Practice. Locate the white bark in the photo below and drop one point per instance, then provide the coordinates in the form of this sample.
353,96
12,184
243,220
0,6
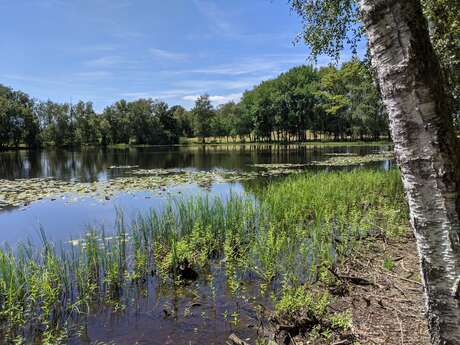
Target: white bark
426,149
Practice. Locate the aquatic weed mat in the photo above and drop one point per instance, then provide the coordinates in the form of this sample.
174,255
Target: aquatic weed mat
21,192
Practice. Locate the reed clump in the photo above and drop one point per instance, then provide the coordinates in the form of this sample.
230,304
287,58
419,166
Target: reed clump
291,233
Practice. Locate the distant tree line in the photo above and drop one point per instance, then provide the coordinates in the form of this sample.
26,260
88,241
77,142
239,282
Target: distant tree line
34,123
302,104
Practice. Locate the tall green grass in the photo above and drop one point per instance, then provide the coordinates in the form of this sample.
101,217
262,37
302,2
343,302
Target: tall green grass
288,234
320,218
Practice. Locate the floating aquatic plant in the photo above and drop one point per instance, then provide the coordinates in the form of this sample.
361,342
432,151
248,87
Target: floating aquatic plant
289,234
350,160
23,191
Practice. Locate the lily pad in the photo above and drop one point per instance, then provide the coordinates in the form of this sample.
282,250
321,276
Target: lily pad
354,160
20,192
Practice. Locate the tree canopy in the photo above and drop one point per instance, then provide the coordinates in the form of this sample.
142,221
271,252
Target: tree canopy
336,102
329,26
340,102
414,49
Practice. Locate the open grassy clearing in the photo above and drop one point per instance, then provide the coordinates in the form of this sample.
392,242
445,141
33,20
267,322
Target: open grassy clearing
286,239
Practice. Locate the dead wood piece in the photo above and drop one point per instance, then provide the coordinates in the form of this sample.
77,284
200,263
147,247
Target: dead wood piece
233,339
353,280
402,278
341,342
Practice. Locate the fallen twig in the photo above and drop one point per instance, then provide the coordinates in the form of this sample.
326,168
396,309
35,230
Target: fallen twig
353,280
233,339
402,278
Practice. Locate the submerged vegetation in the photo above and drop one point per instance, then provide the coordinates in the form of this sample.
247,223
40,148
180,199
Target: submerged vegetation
284,239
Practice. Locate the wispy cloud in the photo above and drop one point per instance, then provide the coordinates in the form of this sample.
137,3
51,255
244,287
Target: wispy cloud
165,94
33,79
95,48
271,63
215,16
135,95
104,61
216,99
188,95
167,55
83,80
222,24
116,28
93,75
219,84
114,4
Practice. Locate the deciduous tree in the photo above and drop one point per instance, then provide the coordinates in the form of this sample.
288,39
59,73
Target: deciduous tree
427,150
203,113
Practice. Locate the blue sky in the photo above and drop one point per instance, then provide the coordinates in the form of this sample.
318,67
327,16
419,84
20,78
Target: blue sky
174,50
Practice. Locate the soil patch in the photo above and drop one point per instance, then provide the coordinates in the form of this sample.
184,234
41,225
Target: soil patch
391,310
380,285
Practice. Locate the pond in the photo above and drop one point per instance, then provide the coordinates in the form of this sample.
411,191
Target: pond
63,192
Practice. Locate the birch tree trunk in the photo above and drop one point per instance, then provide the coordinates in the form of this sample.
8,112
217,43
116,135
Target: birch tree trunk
426,149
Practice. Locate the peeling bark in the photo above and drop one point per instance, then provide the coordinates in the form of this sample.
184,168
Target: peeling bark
426,149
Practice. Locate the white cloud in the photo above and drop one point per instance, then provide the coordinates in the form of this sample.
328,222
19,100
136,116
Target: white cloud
191,98
111,61
166,94
135,95
216,99
189,95
219,84
270,63
167,55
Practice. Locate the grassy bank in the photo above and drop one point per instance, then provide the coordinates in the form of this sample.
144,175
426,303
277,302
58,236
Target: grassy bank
209,142
285,238
328,141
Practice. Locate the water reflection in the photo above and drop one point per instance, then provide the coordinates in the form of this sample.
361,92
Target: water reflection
93,164
144,322
63,219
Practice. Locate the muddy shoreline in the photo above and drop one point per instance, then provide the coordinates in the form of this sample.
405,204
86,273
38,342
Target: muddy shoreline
380,285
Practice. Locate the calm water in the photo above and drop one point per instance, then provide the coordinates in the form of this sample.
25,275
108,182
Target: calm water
62,219
93,164
145,323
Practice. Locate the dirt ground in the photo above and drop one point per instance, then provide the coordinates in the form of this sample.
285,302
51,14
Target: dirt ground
380,285
391,309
